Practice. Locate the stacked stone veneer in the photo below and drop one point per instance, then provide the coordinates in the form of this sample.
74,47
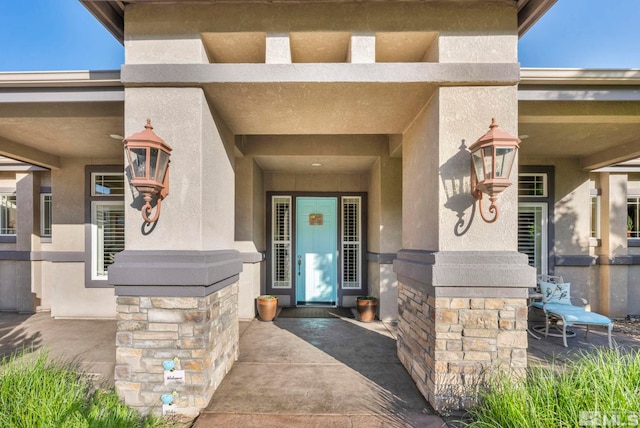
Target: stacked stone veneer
447,344
450,337
203,332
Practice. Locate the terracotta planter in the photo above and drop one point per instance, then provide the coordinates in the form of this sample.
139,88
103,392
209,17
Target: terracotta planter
367,308
267,307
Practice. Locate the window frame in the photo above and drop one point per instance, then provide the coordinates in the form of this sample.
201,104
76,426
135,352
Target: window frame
10,237
544,235
636,221
43,215
344,243
92,280
534,173
549,199
286,284
595,223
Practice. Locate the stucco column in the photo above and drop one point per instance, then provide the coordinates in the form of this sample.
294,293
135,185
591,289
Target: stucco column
462,283
385,233
250,215
176,281
28,213
614,257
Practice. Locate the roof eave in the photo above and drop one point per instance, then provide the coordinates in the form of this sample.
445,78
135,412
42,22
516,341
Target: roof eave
530,11
110,14
580,76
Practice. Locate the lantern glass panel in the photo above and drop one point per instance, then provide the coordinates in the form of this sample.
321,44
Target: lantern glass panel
477,164
153,164
138,160
504,160
488,163
163,162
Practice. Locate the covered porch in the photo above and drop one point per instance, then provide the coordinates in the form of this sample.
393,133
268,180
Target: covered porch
354,390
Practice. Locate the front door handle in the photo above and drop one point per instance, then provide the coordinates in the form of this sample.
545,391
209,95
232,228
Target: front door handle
299,263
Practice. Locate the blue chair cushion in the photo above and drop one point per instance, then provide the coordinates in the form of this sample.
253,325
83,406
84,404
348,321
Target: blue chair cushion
573,314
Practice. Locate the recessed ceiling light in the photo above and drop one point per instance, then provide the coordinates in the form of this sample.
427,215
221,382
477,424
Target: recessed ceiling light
116,137
316,164
523,136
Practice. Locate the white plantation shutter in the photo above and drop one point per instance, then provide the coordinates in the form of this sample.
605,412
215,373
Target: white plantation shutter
532,234
107,221
109,229
351,242
281,242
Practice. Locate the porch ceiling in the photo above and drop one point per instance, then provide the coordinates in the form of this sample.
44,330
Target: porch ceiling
315,164
46,116
592,138
44,133
593,115
590,115
318,108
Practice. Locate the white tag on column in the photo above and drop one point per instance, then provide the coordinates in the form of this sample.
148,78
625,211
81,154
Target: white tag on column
176,376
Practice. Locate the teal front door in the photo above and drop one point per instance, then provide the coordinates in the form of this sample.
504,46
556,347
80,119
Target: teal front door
316,260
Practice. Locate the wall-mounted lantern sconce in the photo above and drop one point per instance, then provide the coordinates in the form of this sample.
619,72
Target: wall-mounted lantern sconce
148,157
492,157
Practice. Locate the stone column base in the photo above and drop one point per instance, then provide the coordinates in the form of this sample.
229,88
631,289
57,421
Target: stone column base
201,332
460,315
180,306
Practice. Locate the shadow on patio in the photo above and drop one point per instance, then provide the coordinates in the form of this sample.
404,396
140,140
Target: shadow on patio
318,372
90,343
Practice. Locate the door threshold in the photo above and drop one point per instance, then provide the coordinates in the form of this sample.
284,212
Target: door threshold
316,305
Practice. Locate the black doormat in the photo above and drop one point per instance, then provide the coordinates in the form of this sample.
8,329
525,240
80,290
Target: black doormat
315,312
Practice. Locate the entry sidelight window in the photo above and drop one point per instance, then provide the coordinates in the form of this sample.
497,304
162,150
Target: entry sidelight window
281,250
351,242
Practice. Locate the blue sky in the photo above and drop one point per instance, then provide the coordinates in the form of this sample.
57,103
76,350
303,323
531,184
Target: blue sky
62,35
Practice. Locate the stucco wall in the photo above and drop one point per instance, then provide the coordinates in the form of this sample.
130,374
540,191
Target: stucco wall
307,182
198,213
63,282
590,265
438,140
55,279
572,208
244,201
634,271
385,232
170,33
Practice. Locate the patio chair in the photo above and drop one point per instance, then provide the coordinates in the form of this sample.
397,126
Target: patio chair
557,306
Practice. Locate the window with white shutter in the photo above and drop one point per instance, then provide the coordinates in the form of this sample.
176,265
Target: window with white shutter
45,214
281,250
107,221
351,242
532,234
8,214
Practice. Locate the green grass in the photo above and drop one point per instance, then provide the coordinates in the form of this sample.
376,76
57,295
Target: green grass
605,380
36,391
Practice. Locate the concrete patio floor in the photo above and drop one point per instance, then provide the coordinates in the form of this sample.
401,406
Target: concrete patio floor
90,343
307,372
318,372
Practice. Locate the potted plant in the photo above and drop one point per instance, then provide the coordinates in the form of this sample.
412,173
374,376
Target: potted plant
367,307
267,307
629,225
